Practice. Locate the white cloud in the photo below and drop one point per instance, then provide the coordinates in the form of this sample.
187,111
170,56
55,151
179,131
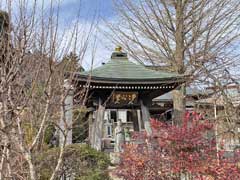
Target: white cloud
97,40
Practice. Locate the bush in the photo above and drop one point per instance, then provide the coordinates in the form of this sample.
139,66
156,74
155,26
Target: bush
173,152
80,125
80,161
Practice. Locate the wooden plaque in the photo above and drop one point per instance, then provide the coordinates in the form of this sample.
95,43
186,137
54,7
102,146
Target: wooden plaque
124,98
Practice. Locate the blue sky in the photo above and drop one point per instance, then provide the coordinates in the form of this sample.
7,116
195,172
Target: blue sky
88,8
100,9
69,9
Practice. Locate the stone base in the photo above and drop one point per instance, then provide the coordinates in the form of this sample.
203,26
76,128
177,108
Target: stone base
112,175
115,158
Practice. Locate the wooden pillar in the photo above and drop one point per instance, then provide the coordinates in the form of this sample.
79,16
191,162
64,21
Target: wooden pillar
98,127
146,117
66,121
139,117
134,116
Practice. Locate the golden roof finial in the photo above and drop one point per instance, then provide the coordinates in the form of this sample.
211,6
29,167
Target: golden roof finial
118,49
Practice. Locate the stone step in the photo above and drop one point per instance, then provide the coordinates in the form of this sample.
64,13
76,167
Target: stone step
112,176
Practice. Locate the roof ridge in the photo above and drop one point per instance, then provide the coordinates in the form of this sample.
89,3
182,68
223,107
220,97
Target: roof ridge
118,68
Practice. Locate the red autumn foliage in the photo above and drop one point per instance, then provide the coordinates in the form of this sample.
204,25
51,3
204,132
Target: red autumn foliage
172,152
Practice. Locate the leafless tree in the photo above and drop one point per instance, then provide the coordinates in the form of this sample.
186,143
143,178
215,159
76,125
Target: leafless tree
193,37
32,94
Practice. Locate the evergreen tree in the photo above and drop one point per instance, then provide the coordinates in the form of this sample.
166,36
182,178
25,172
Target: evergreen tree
71,63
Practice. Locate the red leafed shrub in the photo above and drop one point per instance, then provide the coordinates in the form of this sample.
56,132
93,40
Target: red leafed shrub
173,152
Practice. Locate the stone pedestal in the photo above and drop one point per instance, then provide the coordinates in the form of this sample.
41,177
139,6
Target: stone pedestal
115,158
66,121
146,118
97,127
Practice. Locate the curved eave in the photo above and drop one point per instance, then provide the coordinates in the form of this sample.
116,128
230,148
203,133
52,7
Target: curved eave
109,80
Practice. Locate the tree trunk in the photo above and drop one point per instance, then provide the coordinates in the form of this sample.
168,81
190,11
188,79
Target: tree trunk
179,105
31,166
179,94
4,151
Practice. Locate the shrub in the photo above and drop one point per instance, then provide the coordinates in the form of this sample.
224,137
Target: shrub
80,161
80,125
176,151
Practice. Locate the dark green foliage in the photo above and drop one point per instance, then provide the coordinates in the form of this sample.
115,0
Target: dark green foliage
94,175
4,21
79,130
81,161
49,134
80,125
70,63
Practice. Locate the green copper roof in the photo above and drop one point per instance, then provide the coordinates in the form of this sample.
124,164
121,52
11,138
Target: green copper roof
121,68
